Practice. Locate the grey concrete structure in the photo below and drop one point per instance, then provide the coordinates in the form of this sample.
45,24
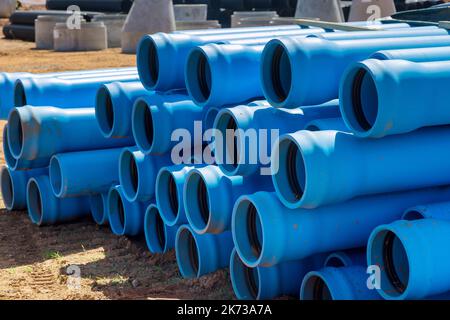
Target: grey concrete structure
363,10
90,37
114,24
325,10
190,12
7,7
146,17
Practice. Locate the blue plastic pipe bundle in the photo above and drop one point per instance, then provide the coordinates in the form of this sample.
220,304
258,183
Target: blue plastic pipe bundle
8,82
340,172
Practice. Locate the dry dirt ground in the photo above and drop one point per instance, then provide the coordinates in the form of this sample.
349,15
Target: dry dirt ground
34,261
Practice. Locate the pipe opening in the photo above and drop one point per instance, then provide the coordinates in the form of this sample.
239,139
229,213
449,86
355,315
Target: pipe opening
142,122
120,211
148,125
394,258
335,261
312,127
153,62
251,279
316,289
280,72
7,188
97,208
104,110
227,150
290,177
203,201
193,253
56,179
134,175
198,76
173,195
204,77
11,162
35,208
413,215
20,97
160,231
116,209
293,177
364,100
254,230
15,133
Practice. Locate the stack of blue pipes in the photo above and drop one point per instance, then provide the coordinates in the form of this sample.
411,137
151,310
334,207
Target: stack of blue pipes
311,162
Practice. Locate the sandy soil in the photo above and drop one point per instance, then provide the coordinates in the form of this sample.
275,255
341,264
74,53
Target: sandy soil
34,261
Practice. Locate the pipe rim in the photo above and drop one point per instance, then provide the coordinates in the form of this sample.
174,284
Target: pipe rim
20,97
148,62
129,174
35,202
11,162
197,202
199,82
387,250
315,287
7,183
360,98
290,179
248,232
117,211
104,111
99,208
188,253
246,281
56,176
142,125
230,154
16,133
276,72
168,196
155,230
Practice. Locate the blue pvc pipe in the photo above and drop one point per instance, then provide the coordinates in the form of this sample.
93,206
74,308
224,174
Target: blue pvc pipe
14,186
324,167
337,124
347,258
125,217
268,283
138,172
37,133
46,209
161,57
209,195
198,255
387,97
440,210
75,93
8,81
160,237
212,72
99,208
241,155
169,193
155,118
82,173
114,106
413,257
415,55
346,283
396,33
299,72
266,233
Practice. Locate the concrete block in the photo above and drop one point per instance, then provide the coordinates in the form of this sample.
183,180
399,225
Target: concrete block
241,19
7,7
146,17
90,37
114,24
325,10
197,25
190,12
44,26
